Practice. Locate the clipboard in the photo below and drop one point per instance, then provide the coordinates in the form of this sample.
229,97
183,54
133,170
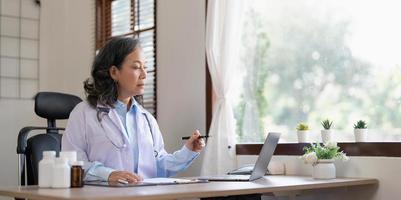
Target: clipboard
144,183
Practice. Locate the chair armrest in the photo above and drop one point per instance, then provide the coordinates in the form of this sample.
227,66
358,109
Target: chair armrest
23,135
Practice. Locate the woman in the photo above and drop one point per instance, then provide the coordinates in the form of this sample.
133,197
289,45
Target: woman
115,136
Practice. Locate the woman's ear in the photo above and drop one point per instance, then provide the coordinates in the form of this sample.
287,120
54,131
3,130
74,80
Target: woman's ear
113,71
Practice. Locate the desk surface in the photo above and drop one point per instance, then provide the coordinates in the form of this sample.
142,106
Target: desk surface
212,189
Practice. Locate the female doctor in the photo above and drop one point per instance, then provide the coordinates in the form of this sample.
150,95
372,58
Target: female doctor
111,132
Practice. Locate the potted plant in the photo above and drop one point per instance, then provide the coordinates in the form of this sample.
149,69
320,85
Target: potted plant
360,131
322,159
302,132
326,132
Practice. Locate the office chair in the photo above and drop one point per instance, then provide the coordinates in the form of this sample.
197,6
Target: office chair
52,106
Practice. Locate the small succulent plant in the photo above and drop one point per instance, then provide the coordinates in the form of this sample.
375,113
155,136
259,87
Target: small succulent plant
360,125
302,127
327,124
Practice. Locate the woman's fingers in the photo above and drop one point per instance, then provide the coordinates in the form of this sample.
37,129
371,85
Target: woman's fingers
195,143
131,177
199,144
134,177
124,175
190,144
195,136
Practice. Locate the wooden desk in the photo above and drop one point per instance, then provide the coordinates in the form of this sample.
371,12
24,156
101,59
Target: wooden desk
213,189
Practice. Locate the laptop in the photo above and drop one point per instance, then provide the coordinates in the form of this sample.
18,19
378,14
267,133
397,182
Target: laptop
261,164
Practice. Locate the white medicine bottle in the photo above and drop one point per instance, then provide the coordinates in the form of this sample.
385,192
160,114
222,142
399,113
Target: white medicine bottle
71,156
61,173
45,169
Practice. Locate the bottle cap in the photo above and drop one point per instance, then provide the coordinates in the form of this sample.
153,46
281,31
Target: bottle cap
49,154
78,163
70,155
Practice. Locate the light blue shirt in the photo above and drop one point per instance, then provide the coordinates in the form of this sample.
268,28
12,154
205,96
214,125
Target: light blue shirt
122,112
112,143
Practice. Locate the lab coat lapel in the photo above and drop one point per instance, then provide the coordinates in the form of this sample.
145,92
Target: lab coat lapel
117,122
146,162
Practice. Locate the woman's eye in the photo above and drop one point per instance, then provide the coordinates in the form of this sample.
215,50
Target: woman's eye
139,67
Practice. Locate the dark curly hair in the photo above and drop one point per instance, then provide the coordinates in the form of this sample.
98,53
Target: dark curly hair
100,88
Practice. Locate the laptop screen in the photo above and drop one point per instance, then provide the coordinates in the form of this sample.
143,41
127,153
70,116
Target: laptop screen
265,156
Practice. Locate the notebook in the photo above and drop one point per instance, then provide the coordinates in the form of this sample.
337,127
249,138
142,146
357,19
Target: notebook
261,164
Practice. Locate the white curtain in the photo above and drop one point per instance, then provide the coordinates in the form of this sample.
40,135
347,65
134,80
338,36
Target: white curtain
222,45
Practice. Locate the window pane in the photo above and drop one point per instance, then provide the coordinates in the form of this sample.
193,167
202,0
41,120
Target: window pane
120,17
308,60
145,14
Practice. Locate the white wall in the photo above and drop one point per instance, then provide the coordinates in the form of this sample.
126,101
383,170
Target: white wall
181,72
66,52
67,33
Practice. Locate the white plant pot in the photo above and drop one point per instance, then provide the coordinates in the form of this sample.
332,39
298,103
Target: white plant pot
302,136
361,135
326,136
324,169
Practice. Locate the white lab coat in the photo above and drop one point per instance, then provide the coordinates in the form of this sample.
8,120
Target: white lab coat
107,142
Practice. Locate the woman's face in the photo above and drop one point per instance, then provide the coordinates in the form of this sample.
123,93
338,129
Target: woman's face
132,75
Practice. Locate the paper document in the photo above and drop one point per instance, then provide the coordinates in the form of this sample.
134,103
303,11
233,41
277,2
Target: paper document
146,182
166,180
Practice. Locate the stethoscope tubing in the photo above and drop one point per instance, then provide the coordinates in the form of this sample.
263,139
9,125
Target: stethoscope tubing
101,111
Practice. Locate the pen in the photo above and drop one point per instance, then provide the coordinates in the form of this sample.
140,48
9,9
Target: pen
203,136
122,181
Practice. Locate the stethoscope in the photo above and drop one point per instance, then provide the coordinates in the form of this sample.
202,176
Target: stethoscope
102,111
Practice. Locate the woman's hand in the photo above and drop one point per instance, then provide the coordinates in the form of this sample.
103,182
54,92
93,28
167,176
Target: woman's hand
195,143
124,175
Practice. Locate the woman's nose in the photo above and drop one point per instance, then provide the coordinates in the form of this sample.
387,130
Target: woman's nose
143,73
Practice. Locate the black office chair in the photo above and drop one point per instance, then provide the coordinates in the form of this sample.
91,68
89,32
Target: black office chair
52,106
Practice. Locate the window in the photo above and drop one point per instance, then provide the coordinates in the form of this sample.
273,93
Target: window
131,18
308,60
19,49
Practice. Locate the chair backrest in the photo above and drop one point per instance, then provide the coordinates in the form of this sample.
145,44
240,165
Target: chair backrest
36,145
52,106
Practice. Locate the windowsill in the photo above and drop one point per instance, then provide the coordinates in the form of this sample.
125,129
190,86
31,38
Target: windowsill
383,149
